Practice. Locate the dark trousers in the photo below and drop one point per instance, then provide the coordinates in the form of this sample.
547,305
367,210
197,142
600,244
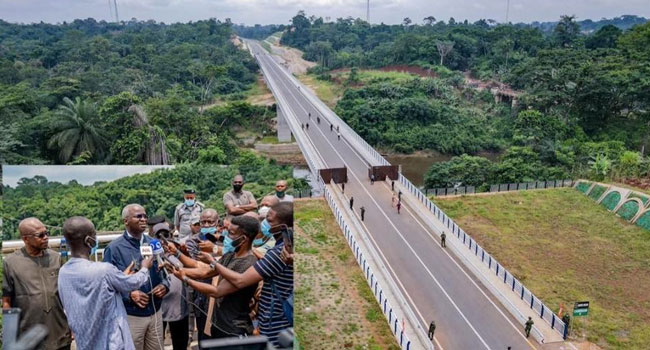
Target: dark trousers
200,325
179,331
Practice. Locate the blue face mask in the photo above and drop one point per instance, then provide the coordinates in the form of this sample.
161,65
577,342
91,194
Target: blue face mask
229,244
189,202
208,230
224,233
258,242
265,227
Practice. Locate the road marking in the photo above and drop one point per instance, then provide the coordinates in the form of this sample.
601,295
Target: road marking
399,233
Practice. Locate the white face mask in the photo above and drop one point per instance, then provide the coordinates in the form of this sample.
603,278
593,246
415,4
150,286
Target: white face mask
263,210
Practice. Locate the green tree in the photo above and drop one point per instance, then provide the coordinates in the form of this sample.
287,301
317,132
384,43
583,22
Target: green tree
566,31
78,130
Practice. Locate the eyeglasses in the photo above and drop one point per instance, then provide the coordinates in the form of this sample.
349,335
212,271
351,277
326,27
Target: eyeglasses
141,216
41,235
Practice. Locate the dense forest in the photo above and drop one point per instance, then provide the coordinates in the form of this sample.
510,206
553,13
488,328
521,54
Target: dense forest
159,192
583,100
90,92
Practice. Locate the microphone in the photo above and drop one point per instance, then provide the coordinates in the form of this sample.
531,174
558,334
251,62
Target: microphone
158,252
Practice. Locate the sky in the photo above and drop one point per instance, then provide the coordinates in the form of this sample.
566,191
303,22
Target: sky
251,12
84,174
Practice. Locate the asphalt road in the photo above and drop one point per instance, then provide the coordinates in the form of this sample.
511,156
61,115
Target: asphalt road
433,281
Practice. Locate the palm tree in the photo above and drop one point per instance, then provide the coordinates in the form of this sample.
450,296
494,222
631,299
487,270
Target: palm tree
78,130
155,151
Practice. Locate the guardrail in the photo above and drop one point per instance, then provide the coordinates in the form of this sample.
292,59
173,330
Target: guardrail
360,256
493,265
522,186
517,287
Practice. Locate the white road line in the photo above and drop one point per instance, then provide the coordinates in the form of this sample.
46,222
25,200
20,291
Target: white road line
400,234
428,231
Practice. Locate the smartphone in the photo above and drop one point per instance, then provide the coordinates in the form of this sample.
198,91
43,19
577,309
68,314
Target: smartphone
212,238
287,238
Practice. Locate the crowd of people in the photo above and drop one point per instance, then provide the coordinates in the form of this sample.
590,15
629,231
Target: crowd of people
228,275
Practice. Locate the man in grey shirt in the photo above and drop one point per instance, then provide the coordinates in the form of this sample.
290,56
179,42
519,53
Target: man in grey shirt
29,282
185,211
238,201
90,291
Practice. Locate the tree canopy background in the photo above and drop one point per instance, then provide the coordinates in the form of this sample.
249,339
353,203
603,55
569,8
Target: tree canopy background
159,192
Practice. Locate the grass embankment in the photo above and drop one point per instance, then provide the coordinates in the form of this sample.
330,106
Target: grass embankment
567,248
335,308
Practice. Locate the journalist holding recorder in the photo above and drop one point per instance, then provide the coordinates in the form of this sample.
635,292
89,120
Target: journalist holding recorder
143,305
90,291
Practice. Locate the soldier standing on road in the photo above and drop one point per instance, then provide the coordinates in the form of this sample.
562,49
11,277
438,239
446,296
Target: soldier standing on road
432,329
351,202
529,326
443,240
363,212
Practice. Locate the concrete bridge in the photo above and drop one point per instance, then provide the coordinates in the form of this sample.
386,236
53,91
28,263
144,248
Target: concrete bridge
473,307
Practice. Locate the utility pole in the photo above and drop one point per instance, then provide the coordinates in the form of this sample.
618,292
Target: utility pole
117,17
110,9
368,11
507,11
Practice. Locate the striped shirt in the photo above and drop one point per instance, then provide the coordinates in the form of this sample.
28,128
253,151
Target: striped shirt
274,271
90,293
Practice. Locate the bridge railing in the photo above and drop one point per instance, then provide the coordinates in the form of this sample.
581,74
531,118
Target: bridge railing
493,265
386,305
536,304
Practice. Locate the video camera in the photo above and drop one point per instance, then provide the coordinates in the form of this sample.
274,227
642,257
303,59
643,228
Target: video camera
260,342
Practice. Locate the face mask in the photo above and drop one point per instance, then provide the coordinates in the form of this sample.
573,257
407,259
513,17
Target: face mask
208,230
93,246
265,227
258,242
263,210
280,194
237,188
189,202
229,245
224,233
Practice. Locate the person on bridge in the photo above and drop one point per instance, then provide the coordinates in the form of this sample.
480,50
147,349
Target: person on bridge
399,206
399,196
372,179
432,329
363,212
307,126
343,187
309,115
392,185
443,240
318,120
331,127
338,135
337,128
302,126
529,326
351,202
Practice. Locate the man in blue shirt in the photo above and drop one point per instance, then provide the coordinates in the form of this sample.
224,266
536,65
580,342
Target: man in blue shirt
90,292
142,305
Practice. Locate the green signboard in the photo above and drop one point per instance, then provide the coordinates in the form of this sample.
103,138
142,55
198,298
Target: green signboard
581,308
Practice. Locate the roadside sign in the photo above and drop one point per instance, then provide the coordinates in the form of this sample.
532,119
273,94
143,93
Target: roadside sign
581,308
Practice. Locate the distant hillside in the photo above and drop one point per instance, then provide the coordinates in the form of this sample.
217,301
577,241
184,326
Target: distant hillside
588,26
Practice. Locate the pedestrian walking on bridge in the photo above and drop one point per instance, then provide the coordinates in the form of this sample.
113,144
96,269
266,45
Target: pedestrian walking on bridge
399,206
363,212
392,185
338,135
351,202
393,200
372,179
309,115
399,194
337,128
307,126
529,326
318,120
343,187
432,329
443,240
302,126
331,127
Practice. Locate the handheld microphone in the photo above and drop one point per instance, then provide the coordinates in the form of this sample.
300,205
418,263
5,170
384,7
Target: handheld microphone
158,252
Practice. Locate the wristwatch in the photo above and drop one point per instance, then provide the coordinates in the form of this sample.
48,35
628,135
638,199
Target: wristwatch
213,265
178,254
185,279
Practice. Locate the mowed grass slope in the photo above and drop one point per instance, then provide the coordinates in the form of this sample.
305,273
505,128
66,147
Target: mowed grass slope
334,308
567,248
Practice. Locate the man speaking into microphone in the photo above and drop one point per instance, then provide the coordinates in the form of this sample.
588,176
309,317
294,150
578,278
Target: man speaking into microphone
142,305
90,290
